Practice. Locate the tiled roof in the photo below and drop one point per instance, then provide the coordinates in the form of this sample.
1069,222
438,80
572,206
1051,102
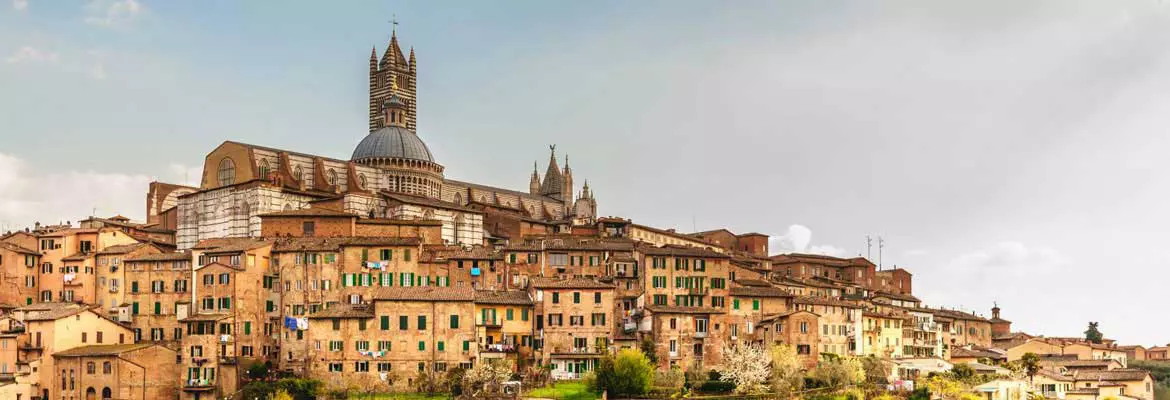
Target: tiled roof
684,310
344,311
425,293
19,249
426,201
571,283
439,253
172,256
310,212
1054,375
1076,363
1111,375
392,221
819,259
956,314
755,291
224,245
896,296
101,350
78,257
571,242
496,297
122,248
773,317
51,311
824,301
975,352
680,251
753,282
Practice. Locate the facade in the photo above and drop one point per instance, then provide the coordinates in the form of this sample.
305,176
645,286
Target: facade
574,321
796,328
117,371
153,295
18,273
52,328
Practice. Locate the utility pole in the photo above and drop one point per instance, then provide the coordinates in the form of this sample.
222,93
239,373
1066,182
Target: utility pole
868,247
881,245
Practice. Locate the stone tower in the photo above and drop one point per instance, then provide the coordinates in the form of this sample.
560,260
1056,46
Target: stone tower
393,74
567,189
534,182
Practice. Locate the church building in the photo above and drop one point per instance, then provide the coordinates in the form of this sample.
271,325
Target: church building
391,175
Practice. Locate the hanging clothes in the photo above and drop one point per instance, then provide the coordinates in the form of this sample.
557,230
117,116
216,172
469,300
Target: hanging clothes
302,324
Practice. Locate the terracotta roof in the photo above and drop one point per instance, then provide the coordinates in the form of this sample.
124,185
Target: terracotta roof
336,243
17,248
225,245
824,301
622,257
496,297
51,311
439,253
1076,363
1111,375
753,282
425,293
102,350
819,259
772,317
975,352
426,201
310,212
671,232
344,311
172,256
392,221
571,283
754,291
78,257
675,251
122,248
896,296
571,242
684,310
1054,375
956,314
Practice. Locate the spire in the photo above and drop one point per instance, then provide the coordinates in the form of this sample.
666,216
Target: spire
553,181
373,54
412,60
534,182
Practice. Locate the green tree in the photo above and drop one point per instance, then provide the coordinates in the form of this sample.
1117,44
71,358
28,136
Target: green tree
1031,365
628,374
650,349
839,371
787,376
1092,334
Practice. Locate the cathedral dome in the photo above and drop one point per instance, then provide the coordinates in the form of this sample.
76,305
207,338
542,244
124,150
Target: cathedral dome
392,142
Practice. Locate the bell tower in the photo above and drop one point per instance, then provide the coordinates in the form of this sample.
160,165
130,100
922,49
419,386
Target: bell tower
393,74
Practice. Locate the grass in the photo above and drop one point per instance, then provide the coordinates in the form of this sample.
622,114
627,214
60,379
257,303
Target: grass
402,396
564,390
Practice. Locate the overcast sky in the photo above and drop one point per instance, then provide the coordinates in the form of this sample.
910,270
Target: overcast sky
1007,151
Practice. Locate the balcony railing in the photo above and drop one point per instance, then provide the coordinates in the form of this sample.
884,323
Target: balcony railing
490,323
698,290
498,348
700,335
199,384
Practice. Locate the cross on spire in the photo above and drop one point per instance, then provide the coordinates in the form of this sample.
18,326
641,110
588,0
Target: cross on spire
393,23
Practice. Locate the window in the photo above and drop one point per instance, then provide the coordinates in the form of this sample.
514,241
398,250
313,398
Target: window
597,298
576,297
556,297
422,345
384,321
455,320
90,368
422,322
309,228
106,368
227,172
403,322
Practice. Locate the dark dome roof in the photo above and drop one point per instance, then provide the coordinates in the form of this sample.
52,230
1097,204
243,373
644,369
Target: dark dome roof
392,142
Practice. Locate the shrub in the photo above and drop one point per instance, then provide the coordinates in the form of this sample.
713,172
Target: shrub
672,378
627,374
716,386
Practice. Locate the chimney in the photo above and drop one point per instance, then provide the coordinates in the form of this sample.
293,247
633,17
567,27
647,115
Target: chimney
995,311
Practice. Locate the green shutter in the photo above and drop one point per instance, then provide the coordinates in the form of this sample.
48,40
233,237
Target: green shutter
508,314
735,304
454,321
440,346
466,345
365,255
247,327
385,320
134,308
403,322
406,255
523,314
422,346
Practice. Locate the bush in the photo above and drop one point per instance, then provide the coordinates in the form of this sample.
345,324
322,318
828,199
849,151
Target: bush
716,386
628,374
672,378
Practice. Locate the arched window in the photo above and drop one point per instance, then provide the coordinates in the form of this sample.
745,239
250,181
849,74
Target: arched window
299,173
362,181
264,169
332,177
90,368
227,172
106,369
107,394
90,394
458,198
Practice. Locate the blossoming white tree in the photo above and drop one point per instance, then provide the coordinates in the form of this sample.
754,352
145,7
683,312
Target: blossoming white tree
747,366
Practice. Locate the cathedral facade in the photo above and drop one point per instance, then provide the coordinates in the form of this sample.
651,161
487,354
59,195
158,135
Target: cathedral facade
391,174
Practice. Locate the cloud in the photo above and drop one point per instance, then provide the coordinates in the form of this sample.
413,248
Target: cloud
186,175
105,13
98,72
20,5
28,195
1006,259
31,54
798,239
916,252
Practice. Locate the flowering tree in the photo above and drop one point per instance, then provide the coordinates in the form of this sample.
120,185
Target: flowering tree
487,376
747,366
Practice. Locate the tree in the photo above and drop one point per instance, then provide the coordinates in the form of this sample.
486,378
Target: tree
876,370
486,377
1031,365
627,374
650,349
747,366
1092,334
839,371
787,376
280,395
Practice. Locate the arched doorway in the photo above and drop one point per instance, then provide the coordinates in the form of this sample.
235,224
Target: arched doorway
90,394
107,394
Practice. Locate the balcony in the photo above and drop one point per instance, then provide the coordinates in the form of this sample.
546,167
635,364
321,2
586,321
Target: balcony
698,291
225,360
199,385
700,335
490,323
31,347
498,348
877,330
629,326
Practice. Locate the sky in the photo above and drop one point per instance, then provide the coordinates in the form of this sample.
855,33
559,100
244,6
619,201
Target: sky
1006,152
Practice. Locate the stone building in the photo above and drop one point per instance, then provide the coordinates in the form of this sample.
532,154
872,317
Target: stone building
574,318
18,273
155,293
52,328
505,326
110,283
796,328
391,174
139,371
